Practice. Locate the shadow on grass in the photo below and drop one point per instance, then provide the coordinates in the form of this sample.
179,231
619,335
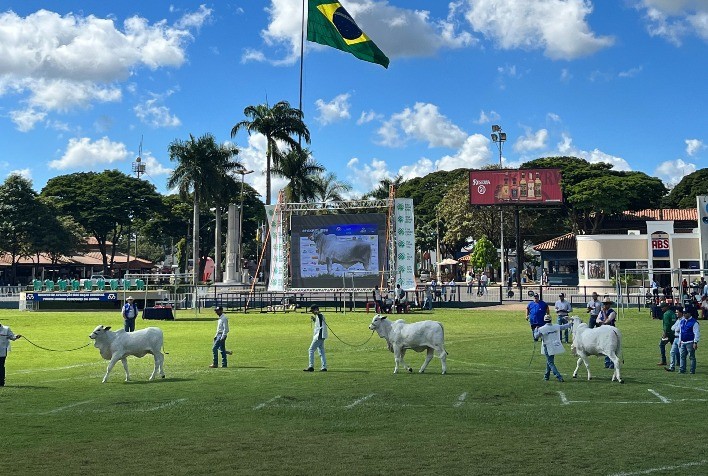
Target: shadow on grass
161,380
196,319
29,387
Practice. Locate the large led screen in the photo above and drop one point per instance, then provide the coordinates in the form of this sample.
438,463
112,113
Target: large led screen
337,251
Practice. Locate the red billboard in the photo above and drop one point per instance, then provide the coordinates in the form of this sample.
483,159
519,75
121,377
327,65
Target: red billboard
515,187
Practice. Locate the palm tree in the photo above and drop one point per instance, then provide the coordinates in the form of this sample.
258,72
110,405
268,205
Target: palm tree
302,172
201,163
278,123
331,189
381,191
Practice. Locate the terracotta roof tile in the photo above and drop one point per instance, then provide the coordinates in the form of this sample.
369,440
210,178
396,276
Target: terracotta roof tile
561,243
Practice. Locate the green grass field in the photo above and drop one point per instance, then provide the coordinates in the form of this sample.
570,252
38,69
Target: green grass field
491,414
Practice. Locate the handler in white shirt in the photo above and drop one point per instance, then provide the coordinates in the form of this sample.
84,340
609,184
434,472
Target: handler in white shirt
6,336
222,330
563,309
552,345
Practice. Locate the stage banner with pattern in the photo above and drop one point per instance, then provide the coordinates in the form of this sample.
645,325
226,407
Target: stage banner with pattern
277,249
405,243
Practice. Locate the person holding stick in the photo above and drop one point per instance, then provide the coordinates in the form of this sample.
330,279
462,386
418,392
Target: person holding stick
6,336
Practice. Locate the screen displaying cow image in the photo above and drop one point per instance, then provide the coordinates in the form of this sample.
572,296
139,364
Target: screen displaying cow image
337,251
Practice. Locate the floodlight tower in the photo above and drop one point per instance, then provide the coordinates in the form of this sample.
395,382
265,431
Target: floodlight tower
499,138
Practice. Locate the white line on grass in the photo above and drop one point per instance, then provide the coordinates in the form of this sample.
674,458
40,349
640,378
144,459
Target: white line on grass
460,400
29,371
61,409
660,397
664,468
261,405
690,388
164,405
361,400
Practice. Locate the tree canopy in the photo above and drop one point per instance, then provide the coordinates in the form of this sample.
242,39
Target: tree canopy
684,194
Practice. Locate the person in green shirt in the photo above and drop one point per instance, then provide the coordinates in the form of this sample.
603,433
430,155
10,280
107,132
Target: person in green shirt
668,318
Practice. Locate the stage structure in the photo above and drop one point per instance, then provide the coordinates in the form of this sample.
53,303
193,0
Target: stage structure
348,246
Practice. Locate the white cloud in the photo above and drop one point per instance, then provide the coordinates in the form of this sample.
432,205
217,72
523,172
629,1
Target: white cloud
673,20
153,113
630,73
566,75
335,110
399,32
86,155
531,141
559,27
59,63
423,122
24,173
364,178
368,116
25,119
153,167
421,168
672,171
487,118
474,153
253,157
693,146
566,147
553,117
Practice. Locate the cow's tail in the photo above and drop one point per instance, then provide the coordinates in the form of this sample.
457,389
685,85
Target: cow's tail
619,343
443,345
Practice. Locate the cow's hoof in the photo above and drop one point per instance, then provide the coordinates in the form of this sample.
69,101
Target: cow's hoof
575,376
621,381
163,376
410,370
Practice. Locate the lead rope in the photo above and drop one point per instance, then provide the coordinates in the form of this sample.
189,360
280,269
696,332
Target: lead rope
55,350
346,343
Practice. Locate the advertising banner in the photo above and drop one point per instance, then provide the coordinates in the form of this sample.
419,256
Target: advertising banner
405,244
277,248
72,297
516,187
702,204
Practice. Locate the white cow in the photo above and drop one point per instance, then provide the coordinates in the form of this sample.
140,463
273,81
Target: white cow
331,250
419,336
603,340
115,346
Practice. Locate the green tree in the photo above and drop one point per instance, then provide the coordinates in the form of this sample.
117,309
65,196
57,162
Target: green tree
301,172
483,254
200,165
278,124
381,192
684,194
105,204
330,189
20,211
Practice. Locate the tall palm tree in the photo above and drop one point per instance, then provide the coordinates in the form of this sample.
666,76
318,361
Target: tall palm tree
381,191
301,171
278,123
200,164
331,189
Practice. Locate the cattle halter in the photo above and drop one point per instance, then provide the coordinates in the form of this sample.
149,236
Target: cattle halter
54,350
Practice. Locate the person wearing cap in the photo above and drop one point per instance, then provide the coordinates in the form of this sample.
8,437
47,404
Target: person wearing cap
668,319
563,309
594,307
552,346
690,335
6,336
675,347
318,337
129,312
535,312
607,317
222,331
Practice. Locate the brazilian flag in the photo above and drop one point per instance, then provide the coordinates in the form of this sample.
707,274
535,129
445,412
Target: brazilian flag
328,23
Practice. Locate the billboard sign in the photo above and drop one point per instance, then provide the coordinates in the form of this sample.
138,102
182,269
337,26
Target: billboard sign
516,187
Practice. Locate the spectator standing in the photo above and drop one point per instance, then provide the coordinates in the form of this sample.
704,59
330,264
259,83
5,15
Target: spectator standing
453,288
552,345
668,319
594,307
428,302
690,335
6,336
129,313
318,338
469,281
222,331
704,307
434,287
563,309
484,281
536,310
675,347
443,290
401,301
378,299
654,288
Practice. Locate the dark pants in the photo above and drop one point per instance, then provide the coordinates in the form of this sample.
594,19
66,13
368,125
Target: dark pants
129,325
662,349
2,371
219,345
533,328
593,321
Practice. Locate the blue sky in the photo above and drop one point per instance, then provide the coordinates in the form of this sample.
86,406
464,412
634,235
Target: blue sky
621,81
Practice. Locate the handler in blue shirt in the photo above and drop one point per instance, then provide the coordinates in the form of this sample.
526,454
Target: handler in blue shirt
535,312
130,312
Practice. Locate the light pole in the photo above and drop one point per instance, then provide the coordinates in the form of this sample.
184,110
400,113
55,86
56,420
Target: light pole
239,263
499,138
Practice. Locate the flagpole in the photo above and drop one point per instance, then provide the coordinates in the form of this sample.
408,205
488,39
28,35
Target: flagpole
302,59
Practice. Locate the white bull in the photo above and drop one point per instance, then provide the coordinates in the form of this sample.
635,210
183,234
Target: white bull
331,250
603,340
419,336
115,346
